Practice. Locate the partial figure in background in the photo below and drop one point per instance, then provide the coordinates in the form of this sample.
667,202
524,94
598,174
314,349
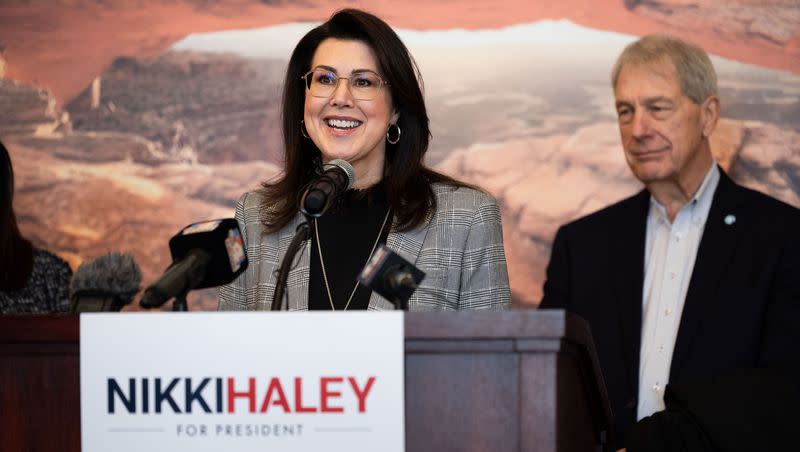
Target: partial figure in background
352,92
32,280
690,279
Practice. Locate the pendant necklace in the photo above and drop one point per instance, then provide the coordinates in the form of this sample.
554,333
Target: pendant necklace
322,261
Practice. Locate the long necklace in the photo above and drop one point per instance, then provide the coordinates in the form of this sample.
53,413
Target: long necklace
322,261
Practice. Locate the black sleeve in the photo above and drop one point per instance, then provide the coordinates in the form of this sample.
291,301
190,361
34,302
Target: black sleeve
745,410
671,430
556,285
781,334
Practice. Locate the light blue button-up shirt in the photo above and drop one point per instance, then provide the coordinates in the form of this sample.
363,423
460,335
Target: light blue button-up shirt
670,252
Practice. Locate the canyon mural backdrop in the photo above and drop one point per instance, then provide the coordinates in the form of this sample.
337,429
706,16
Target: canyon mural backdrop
128,120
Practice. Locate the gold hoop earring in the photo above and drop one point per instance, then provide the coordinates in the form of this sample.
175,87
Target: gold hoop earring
303,130
388,135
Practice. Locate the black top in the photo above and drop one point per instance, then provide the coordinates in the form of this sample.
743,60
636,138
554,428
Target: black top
347,233
47,289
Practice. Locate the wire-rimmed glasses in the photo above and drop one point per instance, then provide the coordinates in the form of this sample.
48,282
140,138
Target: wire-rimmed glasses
363,85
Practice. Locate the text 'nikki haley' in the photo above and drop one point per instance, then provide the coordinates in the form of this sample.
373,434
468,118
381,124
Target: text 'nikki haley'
220,394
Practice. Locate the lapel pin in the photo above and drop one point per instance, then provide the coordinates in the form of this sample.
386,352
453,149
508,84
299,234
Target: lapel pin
730,219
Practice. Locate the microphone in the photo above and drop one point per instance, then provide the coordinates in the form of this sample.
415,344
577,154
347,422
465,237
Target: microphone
205,254
391,276
105,283
337,176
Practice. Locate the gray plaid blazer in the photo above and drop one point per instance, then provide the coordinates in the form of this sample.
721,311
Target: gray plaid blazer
460,249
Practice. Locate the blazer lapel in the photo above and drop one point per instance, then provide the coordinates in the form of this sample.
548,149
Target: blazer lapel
297,282
627,263
408,245
713,257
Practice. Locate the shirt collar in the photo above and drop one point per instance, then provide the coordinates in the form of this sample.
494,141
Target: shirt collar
699,205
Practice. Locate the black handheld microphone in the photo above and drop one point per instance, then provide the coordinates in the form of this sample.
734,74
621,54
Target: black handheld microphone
105,283
206,254
391,276
337,177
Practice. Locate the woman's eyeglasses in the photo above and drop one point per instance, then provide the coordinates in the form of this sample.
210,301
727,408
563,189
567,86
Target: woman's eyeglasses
363,85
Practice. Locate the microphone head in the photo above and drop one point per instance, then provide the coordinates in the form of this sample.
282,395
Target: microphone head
337,176
222,240
205,254
346,167
113,274
391,276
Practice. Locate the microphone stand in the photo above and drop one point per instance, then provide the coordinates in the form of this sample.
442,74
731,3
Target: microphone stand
395,284
180,304
302,233
399,304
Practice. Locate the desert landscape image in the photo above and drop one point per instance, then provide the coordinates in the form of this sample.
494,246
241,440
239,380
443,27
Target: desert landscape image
126,121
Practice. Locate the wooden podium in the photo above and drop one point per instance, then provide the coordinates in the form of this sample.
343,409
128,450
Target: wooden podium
475,381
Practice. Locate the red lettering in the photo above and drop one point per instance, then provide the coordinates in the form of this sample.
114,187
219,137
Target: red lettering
298,398
362,395
325,394
250,394
275,386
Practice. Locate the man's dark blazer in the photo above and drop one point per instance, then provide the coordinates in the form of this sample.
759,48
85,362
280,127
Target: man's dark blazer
742,307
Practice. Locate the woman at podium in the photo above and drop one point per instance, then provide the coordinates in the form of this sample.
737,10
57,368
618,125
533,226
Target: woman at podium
352,93
32,280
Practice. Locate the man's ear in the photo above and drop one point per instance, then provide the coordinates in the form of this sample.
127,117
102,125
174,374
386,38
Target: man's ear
709,113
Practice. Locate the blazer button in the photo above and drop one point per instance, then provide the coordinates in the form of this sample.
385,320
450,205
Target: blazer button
631,403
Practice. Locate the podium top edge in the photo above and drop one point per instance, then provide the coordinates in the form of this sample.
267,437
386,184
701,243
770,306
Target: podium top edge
528,323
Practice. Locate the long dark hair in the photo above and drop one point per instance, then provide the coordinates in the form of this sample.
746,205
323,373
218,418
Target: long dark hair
407,181
16,253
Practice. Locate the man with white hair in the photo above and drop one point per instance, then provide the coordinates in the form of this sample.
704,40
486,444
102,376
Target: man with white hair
694,276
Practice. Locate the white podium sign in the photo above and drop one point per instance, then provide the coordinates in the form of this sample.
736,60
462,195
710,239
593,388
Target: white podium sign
242,381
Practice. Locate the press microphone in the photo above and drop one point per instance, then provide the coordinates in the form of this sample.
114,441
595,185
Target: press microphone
105,283
391,276
337,176
205,254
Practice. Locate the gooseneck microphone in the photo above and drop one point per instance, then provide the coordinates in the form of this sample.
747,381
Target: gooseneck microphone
337,176
105,283
205,254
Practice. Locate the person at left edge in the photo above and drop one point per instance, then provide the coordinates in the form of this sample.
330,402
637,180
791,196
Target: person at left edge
352,92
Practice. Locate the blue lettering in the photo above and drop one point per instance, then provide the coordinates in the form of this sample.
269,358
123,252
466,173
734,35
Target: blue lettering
115,389
191,396
165,395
